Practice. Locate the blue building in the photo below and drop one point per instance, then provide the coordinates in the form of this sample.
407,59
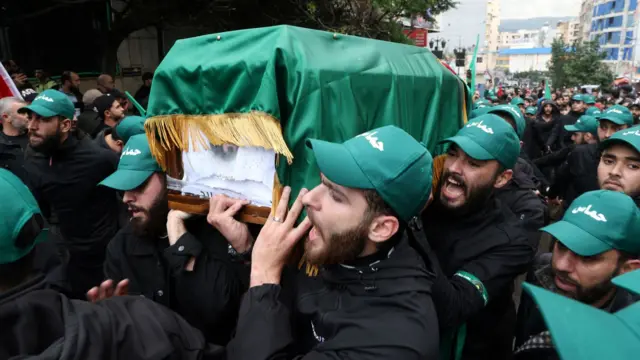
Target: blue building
614,23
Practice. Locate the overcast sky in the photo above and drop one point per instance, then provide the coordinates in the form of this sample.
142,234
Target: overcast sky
522,9
462,24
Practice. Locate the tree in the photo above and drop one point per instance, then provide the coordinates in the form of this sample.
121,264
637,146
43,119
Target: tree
559,58
578,64
369,18
533,76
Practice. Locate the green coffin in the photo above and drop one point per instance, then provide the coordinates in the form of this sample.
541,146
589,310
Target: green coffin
275,87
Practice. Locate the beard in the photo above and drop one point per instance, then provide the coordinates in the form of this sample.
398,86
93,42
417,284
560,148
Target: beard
339,247
476,197
154,223
49,144
587,295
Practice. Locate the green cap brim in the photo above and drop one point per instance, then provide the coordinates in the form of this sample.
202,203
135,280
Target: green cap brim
125,180
613,120
338,165
610,141
42,111
629,281
572,128
576,239
581,331
470,147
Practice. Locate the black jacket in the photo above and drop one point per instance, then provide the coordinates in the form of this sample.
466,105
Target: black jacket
578,174
478,258
559,137
537,132
45,324
12,154
100,139
532,332
372,309
519,197
207,297
68,181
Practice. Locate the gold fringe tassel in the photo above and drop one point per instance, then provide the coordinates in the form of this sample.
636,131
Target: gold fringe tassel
166,132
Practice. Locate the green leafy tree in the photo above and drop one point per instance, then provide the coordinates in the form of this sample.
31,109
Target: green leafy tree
559,58
578,64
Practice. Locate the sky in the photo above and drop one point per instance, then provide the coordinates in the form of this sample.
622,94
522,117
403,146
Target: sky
519,9
462,24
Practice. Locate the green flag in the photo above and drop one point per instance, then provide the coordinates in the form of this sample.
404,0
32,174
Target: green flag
472,67
135,103
547,90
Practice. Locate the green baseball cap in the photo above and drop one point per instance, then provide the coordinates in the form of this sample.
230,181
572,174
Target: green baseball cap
599,221
481,110
480,103
531,110
593,111
517,101
130,126
629,136
585,123
589,99
135,166
488,137
51,103
618,114
17,236
580,331
578,97
387,160
494,98
514,113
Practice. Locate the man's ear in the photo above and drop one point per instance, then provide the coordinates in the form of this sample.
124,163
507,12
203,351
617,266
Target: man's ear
503,179
65,125
630,265
383,227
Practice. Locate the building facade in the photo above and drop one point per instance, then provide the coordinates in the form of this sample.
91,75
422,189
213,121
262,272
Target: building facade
614,24
520,38
491,33
584,19
521,60
569,31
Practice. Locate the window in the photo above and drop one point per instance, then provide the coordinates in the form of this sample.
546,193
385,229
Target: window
618,5
633,4
479,60
627,54
628,38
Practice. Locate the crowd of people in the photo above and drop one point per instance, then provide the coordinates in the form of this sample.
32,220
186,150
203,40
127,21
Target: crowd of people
405,256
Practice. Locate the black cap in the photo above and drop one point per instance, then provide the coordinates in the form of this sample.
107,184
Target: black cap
117,94
103,103
28,94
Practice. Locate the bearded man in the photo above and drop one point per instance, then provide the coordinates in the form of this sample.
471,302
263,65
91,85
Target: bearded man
198,273
371,298
597,239
479,245
63,172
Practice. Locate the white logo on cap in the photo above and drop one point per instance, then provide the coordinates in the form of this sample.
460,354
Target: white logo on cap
614,111
482,127
592,213
516,113
44,97
373,140
636,133
129,152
